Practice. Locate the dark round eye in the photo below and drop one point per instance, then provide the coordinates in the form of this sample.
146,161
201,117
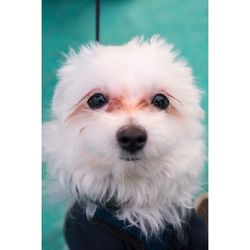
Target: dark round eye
160,101
97,101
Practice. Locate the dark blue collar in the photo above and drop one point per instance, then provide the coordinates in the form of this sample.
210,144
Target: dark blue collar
161,242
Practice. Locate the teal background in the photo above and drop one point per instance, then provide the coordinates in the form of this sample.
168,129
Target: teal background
70,23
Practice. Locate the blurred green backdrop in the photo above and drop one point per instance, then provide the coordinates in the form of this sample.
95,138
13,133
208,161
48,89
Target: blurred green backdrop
70,23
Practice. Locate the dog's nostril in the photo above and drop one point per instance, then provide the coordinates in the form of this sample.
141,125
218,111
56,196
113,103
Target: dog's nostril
141,139
124,140
131,138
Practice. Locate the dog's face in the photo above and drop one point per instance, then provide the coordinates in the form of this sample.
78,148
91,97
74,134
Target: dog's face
127,122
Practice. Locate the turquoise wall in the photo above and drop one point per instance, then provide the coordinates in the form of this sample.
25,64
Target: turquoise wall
70,23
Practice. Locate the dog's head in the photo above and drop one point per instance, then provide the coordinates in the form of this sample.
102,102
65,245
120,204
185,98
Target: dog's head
127,127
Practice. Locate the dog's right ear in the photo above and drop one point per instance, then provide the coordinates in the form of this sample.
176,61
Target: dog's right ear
49,133
53,189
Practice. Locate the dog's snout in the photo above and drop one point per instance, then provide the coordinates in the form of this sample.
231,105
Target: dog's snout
131,138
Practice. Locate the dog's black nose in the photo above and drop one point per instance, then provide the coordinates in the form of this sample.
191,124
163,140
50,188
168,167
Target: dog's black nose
131,138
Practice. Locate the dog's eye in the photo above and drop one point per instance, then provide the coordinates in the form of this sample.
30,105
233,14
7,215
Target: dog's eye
160,101
97,101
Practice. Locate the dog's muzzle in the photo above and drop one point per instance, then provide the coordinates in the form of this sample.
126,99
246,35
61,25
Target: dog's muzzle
131,138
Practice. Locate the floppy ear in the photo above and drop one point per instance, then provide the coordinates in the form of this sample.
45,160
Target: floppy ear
49,134
53,190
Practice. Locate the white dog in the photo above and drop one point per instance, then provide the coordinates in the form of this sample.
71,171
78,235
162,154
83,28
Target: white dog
127,129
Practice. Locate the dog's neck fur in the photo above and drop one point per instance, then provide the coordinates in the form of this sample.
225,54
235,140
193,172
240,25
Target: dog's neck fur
147,198
167,201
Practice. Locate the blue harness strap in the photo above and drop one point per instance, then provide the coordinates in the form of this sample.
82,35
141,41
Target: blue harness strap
131,232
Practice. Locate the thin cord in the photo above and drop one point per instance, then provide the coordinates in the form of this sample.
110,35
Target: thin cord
97,20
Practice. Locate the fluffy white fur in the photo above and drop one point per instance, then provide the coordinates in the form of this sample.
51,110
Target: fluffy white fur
84,155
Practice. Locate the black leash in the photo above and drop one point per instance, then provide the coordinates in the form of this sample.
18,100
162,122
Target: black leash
97,20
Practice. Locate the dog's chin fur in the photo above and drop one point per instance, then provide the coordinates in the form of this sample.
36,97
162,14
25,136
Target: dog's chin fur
80,147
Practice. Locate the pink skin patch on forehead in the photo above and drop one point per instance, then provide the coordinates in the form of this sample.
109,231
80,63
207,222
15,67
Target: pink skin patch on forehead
120,104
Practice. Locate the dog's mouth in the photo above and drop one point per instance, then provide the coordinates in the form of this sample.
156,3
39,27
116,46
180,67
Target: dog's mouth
129,158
